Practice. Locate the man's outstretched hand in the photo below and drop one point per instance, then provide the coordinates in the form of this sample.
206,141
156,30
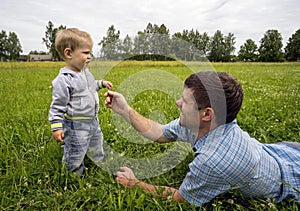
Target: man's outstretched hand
116,102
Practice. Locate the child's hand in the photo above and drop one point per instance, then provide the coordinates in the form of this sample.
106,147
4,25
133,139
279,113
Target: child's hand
107,84
58,135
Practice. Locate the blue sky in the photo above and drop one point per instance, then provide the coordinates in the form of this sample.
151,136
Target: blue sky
245,19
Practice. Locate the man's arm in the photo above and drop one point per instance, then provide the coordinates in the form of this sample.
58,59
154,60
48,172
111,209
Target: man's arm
146,127
127,178
164,191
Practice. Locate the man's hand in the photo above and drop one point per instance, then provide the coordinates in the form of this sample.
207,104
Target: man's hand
126,177
117,103
146,127
58,135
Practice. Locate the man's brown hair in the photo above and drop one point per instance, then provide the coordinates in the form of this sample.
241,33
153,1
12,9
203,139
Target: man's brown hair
218,90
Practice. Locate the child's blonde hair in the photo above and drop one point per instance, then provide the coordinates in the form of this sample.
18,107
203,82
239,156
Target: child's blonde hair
71,38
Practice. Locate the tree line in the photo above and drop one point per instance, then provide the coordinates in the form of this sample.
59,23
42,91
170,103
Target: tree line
156,43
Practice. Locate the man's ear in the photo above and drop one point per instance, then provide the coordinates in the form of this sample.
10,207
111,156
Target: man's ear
208,114
68,53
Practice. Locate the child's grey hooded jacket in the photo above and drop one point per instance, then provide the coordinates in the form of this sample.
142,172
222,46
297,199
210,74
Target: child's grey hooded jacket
74,96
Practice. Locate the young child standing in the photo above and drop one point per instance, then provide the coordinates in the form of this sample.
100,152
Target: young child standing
75,103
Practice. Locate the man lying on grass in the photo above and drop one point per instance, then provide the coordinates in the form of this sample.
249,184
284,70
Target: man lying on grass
225,156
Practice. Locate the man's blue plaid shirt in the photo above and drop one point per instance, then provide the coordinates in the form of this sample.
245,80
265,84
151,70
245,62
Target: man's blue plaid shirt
228,158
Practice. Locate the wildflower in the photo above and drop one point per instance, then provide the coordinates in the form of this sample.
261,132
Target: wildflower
88,185
58,194
230,201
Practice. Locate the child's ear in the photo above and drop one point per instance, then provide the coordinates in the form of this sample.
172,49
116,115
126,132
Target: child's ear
68,53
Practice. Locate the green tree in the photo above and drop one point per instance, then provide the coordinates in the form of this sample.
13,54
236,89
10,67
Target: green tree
110,45
204,43
3,46
127,47
182,46
141,46
14,47
153,43
217,47
160,42
194,38
248,51
292,49
10,47
221,47
228,48
270,49
147,39
49,39
178,46
190,45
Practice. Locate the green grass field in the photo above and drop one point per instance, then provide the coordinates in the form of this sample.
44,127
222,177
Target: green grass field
31,173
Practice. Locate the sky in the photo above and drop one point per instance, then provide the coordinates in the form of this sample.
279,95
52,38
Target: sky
245,19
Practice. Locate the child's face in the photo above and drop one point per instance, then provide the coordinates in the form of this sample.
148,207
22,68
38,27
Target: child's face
79,58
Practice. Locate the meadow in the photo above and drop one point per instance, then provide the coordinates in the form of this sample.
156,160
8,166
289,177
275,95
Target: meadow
31,173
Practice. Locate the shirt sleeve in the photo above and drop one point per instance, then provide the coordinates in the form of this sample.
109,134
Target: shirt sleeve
175,132
202,183
287,156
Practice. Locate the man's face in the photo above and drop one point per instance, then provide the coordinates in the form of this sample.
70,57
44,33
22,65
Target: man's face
189,112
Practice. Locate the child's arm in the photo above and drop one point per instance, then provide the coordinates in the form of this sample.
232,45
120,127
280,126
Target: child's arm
108,84
105,84
60,97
